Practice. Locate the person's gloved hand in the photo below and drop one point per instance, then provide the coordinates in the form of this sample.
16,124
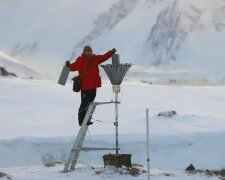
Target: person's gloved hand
113,51
68,63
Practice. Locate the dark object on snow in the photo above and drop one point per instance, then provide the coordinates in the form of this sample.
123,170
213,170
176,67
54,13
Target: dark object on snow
5,175
117,160
50,164
4,72
134,171
172,81
167,113
137,169
190,168
220,173
146,82
210,173
167,174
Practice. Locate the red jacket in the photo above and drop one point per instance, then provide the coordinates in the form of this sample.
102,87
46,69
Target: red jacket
92,79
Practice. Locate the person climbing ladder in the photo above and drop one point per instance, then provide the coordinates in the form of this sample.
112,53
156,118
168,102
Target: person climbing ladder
87,64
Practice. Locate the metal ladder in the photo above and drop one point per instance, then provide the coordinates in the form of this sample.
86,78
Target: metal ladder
77,146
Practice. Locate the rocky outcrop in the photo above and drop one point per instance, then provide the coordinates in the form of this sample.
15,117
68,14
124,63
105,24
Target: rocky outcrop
4,72
2,175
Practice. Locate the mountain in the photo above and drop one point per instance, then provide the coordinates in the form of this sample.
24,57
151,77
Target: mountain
189,27
14,66
170,35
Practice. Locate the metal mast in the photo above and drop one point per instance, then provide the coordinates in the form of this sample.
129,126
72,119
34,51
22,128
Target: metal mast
116,72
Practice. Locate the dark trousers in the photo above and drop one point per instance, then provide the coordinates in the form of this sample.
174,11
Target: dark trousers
87,96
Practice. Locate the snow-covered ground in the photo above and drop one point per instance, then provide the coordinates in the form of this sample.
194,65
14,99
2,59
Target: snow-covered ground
39,122
97,173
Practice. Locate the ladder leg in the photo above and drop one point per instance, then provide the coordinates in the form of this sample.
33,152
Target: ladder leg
76,148
77,151
87,116
72,159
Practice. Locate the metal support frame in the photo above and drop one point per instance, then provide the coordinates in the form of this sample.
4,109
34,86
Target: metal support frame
148,143
116,73
116,122
116,90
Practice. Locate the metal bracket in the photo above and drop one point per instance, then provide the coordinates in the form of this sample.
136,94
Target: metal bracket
115,123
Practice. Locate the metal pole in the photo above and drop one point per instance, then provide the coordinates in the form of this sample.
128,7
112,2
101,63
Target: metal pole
116,121
148,143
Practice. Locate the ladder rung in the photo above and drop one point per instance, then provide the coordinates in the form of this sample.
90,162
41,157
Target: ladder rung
110,102
95,149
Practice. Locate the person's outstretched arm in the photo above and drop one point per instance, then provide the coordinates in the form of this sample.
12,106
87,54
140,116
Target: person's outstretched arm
106,56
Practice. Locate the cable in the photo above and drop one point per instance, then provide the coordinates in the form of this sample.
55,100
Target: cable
86,108
92,145
100,121
83,110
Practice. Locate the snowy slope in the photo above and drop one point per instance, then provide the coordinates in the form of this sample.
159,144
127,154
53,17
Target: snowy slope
171,35
43,33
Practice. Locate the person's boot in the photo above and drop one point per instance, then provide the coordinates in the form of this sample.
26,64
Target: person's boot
89,123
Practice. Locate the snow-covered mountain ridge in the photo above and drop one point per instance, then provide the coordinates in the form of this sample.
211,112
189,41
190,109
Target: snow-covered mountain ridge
170,35
15,66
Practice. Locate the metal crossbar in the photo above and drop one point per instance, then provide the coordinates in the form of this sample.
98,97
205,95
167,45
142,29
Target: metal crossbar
96,149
